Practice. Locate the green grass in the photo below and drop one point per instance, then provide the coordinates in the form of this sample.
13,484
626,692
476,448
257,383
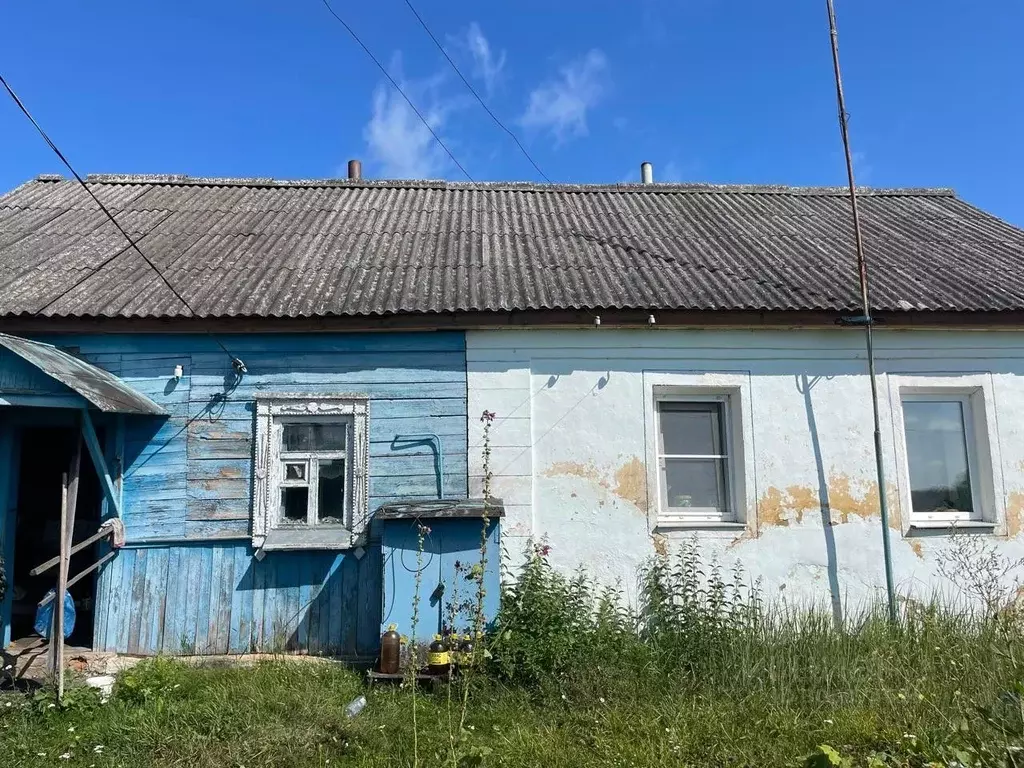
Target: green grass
762,699
698,675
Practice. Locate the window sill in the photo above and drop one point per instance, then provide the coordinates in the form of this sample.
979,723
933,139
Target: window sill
931,526
323,537
700,525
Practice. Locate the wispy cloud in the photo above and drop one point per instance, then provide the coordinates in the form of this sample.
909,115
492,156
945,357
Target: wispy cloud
672,173
560,105
863,168
487,65
399,143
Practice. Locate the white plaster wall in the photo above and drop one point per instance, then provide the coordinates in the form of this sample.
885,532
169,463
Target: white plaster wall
571,449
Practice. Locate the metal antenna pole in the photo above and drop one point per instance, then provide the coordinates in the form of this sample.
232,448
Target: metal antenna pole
867,322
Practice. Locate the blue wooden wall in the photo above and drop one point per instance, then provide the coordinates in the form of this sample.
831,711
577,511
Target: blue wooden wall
188,572
214,597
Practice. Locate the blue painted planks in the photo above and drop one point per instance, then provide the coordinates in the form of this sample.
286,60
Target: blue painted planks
186,487
156,345
212,598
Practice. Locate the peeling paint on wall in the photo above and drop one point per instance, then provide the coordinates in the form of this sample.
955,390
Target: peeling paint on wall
660,544
576,469
631,483
592,468
1014,514
845,498
848,497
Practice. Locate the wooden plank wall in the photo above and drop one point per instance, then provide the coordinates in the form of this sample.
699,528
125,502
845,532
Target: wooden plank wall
188,571
215,598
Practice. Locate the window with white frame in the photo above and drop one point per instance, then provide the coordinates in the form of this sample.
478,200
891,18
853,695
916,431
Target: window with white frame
942,457
694,461
311,471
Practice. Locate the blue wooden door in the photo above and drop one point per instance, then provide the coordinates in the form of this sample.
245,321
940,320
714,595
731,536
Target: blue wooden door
8,513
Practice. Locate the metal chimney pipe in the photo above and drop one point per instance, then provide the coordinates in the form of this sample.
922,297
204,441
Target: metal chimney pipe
355,170
646,173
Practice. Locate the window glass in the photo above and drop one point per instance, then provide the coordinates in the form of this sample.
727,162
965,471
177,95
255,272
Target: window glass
691,429
297,437
692,458
295,470
328,437
940,479
694,483
294,504
314,437
331,491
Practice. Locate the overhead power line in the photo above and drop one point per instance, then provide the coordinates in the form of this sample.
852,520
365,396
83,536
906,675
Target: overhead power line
587,236
238,364
476,95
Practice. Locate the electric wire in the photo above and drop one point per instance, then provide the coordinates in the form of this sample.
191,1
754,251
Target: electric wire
235,361
476,95
711,268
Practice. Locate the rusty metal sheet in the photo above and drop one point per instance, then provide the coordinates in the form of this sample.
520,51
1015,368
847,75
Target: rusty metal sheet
101,388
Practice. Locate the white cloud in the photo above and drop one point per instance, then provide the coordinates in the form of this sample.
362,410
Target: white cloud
671,173
561,105
400,145
487,65
863,168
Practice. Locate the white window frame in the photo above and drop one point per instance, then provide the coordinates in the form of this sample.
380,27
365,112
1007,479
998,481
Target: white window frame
733,389
971,449
269,529
669,516
983,456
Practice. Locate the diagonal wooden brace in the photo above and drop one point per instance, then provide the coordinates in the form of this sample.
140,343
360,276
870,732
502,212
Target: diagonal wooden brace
92,442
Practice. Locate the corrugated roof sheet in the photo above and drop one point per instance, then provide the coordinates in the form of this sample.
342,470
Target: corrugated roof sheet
259,247
101,388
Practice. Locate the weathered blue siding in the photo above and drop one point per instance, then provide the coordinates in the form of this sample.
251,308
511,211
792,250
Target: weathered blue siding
187,579
214,597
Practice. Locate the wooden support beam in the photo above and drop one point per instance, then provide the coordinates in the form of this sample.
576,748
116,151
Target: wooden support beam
92,442
103,532
57,633
79,576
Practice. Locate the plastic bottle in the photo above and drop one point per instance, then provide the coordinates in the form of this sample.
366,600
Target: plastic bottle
355,707
438,658
466,648
390,651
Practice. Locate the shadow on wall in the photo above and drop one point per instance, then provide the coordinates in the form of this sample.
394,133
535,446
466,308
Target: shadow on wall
804,385
320,603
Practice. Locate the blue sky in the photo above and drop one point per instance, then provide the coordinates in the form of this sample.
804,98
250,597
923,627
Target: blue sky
706,90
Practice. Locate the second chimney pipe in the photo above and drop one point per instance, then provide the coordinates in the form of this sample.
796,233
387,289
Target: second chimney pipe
646,173
355,170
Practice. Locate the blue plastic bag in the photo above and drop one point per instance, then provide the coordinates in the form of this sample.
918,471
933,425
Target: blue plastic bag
44,616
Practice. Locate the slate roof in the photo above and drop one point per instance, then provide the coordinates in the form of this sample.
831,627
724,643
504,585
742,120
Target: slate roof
265,248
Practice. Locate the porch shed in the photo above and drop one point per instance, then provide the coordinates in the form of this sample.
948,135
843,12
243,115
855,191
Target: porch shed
51,403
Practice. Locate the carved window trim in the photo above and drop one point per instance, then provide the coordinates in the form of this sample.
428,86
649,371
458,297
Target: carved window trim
275,409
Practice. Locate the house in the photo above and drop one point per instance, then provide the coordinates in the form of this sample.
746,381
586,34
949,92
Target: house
665,362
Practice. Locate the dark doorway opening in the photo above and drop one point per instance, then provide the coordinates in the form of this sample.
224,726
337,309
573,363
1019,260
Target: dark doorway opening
46,454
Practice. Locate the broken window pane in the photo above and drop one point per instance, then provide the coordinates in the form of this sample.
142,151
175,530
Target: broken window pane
940,479
331,495
294,503
297,437
295,470
329,437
